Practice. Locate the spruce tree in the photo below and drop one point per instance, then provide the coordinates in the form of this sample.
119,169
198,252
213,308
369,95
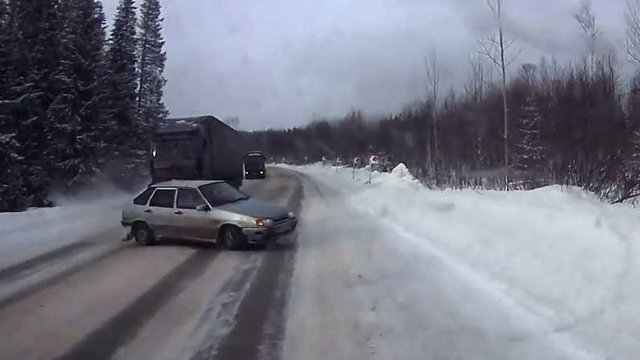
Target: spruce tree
36,55
7,75
530,152
632,164
78,111
121,87
152,60
9,147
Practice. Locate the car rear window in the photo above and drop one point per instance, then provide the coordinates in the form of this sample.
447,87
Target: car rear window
163,198
143,198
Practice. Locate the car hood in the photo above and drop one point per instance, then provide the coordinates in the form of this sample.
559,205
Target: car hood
257,209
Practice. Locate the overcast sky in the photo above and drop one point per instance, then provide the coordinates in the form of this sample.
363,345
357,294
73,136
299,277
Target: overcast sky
280,63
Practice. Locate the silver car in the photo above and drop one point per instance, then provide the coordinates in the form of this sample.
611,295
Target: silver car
204,210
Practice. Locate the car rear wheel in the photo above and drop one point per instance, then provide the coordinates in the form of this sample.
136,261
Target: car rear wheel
233,238
143,234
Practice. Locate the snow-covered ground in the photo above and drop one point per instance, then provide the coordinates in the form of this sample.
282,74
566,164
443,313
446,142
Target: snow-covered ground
24,235
408,272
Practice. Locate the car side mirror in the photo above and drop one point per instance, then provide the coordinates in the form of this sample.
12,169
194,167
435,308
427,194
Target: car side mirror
203,208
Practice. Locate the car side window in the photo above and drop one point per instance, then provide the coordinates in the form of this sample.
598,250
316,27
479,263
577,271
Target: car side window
163,198
189,199
143,198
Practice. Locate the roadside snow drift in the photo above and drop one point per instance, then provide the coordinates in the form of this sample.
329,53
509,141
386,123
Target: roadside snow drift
557,253
24,235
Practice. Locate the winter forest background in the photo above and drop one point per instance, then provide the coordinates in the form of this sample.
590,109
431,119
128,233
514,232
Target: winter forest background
76,108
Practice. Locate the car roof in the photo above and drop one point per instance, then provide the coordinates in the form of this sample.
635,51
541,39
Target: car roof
185,183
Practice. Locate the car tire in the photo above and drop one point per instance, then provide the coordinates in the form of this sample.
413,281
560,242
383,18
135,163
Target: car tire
233,238
143,234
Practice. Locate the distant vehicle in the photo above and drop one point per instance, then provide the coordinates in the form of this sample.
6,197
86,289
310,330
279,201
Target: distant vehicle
255,166
196,148
204,210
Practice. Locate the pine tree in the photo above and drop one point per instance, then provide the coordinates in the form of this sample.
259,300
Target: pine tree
152,60
121,87
631,176
7,76
36,50
530,152
78,110
9,147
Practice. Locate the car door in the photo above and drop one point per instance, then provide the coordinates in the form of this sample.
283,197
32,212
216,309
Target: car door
194,223
160,213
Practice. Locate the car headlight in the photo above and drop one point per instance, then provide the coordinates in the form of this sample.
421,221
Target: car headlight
291,215
263,222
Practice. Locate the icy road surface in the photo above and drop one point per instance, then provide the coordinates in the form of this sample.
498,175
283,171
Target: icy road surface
70,289
387,270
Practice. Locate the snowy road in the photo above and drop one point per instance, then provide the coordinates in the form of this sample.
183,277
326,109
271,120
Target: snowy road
362,290
351,283
99,298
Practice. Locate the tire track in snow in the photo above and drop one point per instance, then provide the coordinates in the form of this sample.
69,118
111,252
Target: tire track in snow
103,342
59,277
259,327
30,266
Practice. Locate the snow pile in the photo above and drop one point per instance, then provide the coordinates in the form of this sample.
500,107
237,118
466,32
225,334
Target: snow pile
401,172
27,234
559,253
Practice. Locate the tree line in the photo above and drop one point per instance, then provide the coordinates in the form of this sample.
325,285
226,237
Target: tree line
571,124
75,105
574,122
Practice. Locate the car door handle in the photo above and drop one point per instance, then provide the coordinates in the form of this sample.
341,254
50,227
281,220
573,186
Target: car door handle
178,212
148,211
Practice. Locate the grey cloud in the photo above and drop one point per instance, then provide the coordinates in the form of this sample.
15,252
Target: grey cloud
276,63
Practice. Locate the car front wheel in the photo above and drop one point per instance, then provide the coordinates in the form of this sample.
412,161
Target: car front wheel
233,238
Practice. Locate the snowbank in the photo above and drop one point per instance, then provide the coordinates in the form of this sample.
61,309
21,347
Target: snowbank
559,253
24,235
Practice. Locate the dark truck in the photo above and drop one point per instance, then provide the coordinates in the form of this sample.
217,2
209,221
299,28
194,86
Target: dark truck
196,148
254,165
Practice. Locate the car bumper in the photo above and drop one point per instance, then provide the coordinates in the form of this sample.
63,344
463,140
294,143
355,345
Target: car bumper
272,233
129,234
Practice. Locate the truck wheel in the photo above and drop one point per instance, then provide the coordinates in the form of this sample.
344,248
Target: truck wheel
143,234
233,238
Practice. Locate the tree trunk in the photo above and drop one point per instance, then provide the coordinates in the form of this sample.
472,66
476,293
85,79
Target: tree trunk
505,108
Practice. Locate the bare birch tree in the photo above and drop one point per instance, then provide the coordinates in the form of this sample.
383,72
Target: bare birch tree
632,41
495,48
474,87
433,82
587,21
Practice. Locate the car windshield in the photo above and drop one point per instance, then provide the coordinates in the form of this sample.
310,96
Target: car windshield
221,193
254,162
